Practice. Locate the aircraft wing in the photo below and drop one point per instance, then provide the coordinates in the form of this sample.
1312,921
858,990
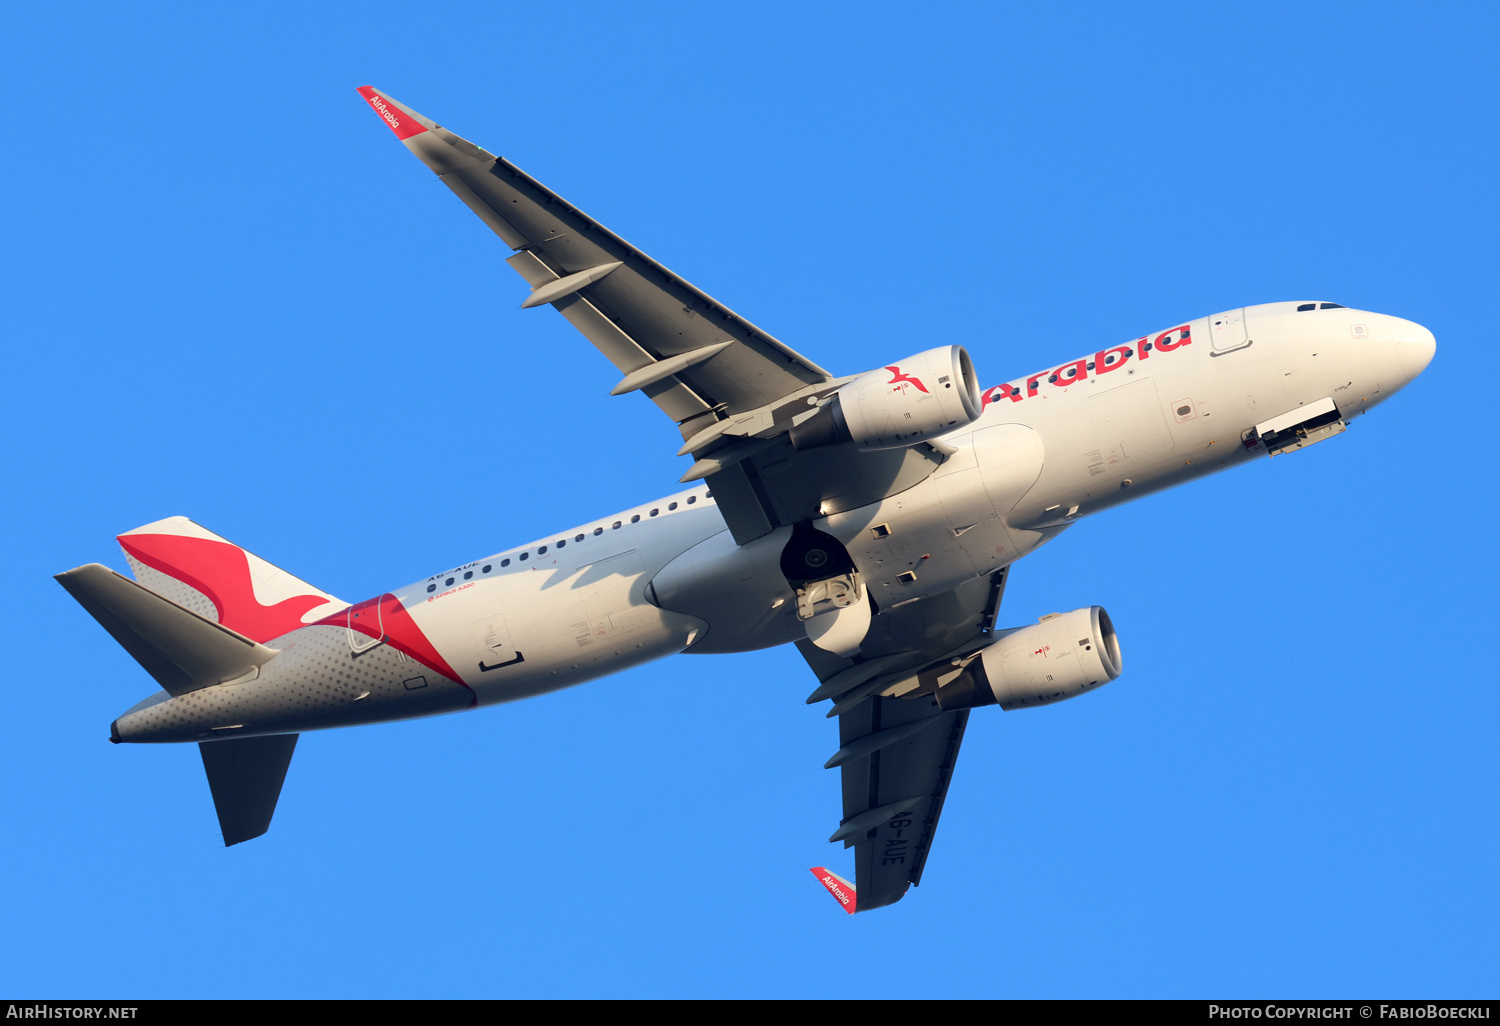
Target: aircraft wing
731,388
689,353
897,749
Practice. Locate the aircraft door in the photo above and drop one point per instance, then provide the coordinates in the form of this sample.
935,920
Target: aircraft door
364,623
1228,330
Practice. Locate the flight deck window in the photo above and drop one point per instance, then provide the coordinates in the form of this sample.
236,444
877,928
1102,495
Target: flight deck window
1307,306
1331,306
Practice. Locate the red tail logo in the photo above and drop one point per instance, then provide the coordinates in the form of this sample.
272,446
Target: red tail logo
221,571
901,380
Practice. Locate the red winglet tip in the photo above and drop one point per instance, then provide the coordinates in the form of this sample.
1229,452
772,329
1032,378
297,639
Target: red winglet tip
841,889
392,113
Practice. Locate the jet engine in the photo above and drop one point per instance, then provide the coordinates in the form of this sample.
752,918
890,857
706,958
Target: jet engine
915,399
1061,656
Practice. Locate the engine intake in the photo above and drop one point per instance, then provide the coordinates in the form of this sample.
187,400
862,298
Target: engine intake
1059,657
910,401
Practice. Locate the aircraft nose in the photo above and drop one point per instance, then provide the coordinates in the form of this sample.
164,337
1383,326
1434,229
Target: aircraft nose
1415,346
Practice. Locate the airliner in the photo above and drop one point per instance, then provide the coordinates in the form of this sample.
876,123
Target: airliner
870,519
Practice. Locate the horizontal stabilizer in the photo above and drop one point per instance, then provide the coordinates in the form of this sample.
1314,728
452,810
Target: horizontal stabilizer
182,650
245,775
841,889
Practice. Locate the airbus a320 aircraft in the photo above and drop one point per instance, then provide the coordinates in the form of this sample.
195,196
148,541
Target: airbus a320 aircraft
869,519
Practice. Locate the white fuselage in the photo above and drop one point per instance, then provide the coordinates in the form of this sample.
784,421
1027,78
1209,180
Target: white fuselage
667,577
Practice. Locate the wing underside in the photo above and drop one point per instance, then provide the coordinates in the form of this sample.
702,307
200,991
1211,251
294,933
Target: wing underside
897,749
692,356
732,389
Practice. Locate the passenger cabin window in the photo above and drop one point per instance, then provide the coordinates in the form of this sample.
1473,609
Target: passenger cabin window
615,526
487,568
524,556
636,519
598,531
692,499
542,551
671,505
468,574
432,587
505,562
578,537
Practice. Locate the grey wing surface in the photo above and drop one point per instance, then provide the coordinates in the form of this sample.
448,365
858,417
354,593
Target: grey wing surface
732,389
689,353
897,749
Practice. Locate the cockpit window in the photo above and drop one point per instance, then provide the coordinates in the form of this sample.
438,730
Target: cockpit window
1307,306
1331,306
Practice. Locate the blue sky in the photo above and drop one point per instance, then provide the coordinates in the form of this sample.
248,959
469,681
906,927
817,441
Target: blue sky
232,295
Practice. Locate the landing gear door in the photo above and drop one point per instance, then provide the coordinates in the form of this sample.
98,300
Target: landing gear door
1228,330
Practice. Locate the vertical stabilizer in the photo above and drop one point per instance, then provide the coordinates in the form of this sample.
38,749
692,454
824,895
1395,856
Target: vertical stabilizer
245,775
217,579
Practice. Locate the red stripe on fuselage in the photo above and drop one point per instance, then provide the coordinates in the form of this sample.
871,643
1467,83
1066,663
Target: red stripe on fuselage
385,617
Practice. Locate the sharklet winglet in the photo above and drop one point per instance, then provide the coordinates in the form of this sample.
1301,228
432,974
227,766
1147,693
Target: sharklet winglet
842,890
401,119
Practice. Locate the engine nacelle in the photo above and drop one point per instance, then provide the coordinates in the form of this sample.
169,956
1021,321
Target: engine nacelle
911,401
1061,656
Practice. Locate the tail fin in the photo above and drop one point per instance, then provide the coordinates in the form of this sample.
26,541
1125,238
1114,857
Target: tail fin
217,579
245,775
182,650
841,889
